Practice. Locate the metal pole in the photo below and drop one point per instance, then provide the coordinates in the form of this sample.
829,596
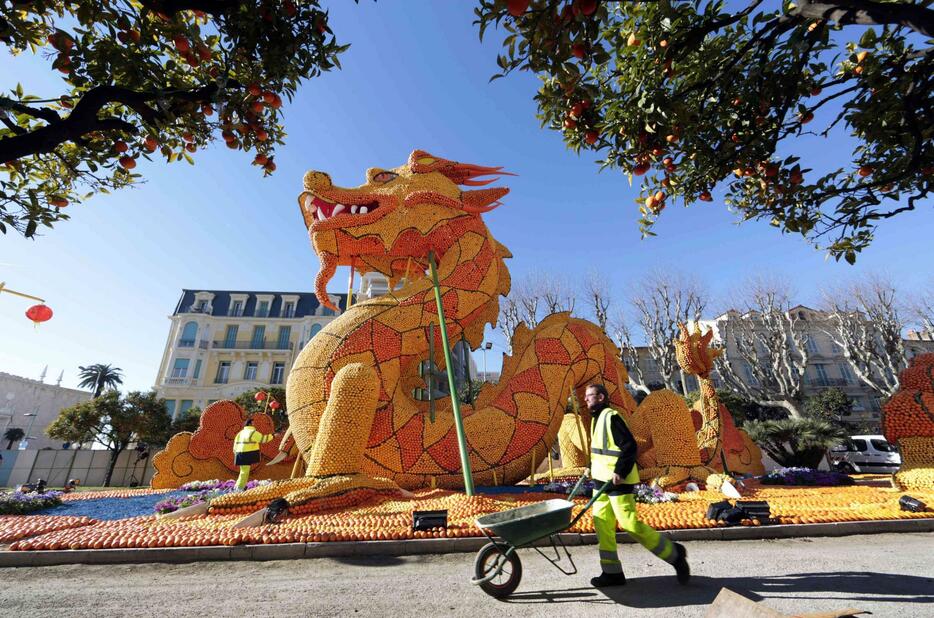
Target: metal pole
485,378
455,404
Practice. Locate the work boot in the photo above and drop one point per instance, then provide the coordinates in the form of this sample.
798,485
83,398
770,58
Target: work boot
682,569
608,579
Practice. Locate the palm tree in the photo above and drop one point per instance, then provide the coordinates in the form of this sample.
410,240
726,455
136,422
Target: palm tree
13,434
795,441
98,377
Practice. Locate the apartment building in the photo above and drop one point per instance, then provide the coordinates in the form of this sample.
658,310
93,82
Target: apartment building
223,342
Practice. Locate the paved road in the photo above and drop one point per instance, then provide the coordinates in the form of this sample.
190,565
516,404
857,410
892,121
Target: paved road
887,574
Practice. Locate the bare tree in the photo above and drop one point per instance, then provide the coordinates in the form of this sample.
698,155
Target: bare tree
509,319
664,300
921,310
865,322
522,305
597,292
629,353
770,344
556,295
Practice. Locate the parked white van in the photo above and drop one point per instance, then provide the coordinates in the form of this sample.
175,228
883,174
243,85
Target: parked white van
866,455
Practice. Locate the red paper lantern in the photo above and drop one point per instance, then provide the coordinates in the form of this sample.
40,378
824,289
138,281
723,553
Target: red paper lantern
39,313
274,405
260,396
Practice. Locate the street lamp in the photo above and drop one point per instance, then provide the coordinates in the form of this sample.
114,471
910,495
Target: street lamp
486,346
25,441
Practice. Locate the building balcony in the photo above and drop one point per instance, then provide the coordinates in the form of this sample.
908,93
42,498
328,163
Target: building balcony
252,345
178,381
186,343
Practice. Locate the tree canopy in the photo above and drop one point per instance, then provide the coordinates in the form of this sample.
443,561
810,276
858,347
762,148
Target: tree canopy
146,79
98,376
113,422
695,95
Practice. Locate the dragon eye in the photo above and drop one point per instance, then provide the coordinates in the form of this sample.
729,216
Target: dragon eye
384,177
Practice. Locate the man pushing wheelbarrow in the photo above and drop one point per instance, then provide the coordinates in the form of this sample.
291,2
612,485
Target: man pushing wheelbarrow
613,460
498,569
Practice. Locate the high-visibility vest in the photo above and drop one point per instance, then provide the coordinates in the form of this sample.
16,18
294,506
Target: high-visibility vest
604,452
245,443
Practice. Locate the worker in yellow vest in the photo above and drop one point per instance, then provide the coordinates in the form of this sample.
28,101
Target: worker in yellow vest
613,458
246,450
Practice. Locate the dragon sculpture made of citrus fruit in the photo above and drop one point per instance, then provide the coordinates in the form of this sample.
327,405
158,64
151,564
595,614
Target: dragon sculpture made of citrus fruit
352,414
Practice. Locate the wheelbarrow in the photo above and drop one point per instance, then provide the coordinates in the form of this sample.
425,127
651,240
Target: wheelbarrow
497,568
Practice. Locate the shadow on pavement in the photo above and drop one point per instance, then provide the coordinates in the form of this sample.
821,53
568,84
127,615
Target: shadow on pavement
369,561
654,592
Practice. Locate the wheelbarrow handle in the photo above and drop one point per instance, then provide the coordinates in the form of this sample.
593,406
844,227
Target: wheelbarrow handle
577,487
590,503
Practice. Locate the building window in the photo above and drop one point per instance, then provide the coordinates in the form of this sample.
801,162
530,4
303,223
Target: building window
189,334
197,371
288,310
314,330
259,337
327,311
236,308
250,372
285,333
847,374
180,370
230,336
170,407
811,345
200,306
821,374
278,373
184,406
223,373
262,309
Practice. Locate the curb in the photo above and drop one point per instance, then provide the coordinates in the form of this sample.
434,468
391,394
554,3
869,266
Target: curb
411,547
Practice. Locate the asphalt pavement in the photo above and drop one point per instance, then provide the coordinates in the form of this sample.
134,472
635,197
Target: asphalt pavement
887,574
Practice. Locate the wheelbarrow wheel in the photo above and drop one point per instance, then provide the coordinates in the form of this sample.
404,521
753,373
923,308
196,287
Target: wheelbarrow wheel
488,559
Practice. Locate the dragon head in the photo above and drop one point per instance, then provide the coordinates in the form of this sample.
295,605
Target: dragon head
391,222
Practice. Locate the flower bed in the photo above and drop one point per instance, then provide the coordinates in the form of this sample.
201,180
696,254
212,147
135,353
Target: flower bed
203,491
645,494
19,503
806,476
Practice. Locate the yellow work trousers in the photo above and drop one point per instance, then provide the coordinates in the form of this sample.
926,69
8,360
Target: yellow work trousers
244,477
607,511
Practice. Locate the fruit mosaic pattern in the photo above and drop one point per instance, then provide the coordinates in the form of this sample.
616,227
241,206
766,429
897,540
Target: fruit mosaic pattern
718,438
378,516
908,421
208,452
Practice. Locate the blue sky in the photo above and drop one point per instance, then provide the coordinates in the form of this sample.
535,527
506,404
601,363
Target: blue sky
416,76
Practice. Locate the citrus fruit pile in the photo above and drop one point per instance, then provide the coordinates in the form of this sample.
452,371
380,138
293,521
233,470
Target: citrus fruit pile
376,516
15,527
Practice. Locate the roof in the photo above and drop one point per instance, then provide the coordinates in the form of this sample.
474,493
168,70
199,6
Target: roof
307,301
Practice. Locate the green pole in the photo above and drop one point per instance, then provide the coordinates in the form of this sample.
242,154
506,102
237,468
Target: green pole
455,402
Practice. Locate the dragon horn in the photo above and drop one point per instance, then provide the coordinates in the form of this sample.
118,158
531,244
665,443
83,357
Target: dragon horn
478,183
482,200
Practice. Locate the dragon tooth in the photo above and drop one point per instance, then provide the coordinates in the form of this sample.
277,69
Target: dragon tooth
354,209
309,202
364,210
338,209
321,216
